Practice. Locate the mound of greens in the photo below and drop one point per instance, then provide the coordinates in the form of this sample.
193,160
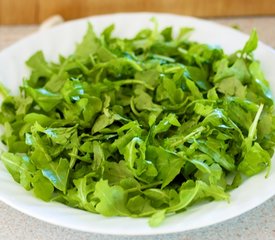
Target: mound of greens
139,127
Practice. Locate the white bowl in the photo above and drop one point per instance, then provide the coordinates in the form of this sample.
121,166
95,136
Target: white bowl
62,40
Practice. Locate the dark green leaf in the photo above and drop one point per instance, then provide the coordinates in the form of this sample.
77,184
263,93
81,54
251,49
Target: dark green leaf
57,173
139,127
42,187
112,200
251,43
255,161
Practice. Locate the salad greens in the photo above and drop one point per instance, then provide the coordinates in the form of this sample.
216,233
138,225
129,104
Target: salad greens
139,127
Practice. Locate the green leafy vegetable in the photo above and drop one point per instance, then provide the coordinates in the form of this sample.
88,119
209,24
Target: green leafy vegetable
140,127
251,44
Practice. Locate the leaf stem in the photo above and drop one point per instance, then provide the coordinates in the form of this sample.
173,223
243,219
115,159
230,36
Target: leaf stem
143,187
183,139
3,91
253,127
133,81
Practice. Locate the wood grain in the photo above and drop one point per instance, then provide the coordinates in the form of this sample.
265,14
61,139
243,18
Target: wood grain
18,11
35,11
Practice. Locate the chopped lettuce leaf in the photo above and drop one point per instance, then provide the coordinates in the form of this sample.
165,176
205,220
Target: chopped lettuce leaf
140,127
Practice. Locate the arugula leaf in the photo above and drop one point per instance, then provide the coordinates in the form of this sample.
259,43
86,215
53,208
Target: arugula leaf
57,173
186,196
252,43
219,157
45,99
3,91
168,164
239,70
89,44
255,160
20,167
157,218
232,87
141,127
260,85
116,172
79,195
112,200
40,67
42,187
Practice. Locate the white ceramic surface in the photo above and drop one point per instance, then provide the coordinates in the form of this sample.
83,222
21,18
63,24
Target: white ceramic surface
61,40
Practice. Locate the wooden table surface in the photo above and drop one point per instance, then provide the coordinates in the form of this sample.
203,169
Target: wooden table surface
36,11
